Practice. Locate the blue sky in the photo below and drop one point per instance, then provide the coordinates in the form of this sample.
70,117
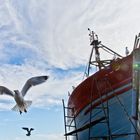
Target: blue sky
50,37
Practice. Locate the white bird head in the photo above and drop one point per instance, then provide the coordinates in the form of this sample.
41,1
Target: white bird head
16,91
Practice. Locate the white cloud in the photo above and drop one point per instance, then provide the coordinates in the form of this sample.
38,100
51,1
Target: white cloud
59,32
5,106
48,94
58,37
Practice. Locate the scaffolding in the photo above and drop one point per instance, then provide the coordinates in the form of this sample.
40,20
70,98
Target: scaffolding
69,124
105,109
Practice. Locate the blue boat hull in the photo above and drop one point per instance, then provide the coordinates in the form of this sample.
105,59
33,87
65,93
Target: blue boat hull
121,122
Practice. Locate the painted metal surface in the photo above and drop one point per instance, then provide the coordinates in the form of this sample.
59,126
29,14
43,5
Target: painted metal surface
117,74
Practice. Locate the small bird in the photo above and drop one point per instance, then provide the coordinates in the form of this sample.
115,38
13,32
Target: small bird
126,51
21,104
28,130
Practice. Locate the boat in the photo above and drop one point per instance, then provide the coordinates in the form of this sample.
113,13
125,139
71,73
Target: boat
105,105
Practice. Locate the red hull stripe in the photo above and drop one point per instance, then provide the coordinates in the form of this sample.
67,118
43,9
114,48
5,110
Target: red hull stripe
114,94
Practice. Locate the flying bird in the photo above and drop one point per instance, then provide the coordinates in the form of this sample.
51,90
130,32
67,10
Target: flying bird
21,104
28,130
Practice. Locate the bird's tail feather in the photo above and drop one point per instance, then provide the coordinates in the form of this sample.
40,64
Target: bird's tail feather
26,105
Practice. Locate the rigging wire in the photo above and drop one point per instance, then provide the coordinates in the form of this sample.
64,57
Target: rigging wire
125,110
107,51
85,73
105,113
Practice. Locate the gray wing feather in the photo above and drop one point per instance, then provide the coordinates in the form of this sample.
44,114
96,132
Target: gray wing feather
6,91
33,82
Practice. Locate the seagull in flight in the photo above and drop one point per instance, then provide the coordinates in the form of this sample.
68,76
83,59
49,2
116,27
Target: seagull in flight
28,130
21,104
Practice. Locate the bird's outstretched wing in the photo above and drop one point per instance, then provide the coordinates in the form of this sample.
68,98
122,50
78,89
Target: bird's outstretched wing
33,82
31,129
25,128
6,91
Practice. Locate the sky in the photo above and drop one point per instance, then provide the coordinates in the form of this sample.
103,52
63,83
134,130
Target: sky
50,37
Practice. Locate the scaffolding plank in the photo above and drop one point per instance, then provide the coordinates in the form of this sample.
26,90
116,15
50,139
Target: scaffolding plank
86,126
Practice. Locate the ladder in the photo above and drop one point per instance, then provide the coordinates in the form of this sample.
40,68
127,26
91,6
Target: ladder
69,124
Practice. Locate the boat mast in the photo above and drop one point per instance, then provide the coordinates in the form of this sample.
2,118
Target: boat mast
96,45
